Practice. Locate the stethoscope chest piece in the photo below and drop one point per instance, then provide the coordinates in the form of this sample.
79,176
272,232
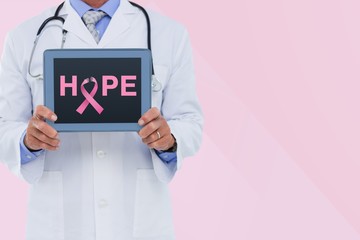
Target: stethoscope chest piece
155,84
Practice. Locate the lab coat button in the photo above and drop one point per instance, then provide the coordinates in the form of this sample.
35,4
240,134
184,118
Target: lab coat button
102,203
101,154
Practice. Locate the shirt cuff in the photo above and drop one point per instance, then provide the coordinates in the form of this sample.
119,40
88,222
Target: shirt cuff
166,157
25,154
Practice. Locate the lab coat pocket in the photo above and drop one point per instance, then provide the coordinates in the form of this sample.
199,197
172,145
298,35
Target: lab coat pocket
161,73
153,217
45,216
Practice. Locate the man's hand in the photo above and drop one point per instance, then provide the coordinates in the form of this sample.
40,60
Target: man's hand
39,134
156,131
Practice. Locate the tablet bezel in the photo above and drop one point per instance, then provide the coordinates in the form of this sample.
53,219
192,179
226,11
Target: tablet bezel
146,63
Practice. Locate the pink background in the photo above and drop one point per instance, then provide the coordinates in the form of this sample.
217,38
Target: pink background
279,84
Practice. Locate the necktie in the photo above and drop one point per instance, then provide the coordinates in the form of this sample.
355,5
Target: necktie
90,18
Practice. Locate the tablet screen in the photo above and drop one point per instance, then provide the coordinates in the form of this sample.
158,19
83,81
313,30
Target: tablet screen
108,73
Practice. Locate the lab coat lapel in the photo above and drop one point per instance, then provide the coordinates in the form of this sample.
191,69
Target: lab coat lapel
119,23
117,26
74,24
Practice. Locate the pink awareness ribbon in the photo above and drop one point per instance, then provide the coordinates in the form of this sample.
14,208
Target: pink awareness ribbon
89,98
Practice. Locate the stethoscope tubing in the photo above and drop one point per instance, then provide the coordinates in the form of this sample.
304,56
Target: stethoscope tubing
56,17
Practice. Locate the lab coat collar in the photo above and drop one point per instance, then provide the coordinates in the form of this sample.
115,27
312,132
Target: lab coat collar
117,26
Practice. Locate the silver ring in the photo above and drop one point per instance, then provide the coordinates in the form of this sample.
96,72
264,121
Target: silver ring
159,136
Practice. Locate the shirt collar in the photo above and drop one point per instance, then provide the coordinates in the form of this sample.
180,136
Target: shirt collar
109,7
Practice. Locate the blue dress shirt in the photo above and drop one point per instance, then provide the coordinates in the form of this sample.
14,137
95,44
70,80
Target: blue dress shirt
81,8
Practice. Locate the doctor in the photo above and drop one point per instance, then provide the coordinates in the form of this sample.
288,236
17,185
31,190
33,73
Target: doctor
103,186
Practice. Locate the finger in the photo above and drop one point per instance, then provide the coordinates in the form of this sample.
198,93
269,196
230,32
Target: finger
149,116
44,128
42,112
32,143
150,128
153,137
39,145
45,139
161,144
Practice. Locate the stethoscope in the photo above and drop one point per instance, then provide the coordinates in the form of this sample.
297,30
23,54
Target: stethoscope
155,83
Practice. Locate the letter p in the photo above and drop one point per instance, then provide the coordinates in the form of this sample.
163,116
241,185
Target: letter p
106,86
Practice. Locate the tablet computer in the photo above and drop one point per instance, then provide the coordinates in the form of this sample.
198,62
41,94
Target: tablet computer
97,89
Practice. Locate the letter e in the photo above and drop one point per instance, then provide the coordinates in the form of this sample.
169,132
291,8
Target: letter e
125,85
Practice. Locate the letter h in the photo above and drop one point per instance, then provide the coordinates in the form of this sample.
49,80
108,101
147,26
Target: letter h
64,85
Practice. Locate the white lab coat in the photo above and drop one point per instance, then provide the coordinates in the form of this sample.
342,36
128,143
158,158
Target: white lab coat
100,186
